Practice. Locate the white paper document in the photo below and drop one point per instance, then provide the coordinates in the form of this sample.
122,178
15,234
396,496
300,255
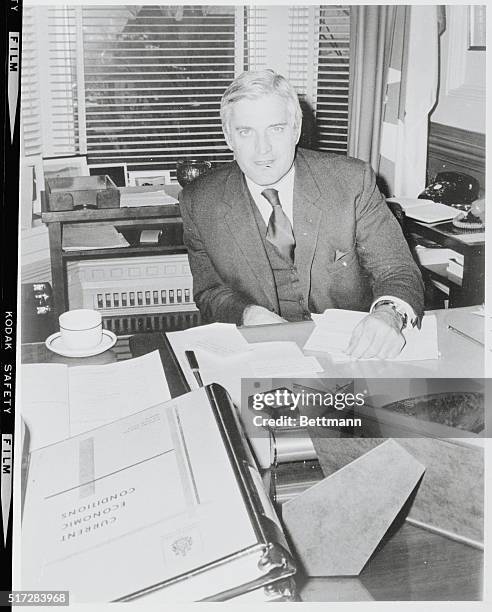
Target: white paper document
426,211
261,360
334,328
264,360
58,401
86,236
147,195
221,339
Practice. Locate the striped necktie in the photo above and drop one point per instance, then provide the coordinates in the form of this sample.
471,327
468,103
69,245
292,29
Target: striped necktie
279,232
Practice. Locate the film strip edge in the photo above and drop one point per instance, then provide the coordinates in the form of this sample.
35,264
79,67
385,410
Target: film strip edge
9,156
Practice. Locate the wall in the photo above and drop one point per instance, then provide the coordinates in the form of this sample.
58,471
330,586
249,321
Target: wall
461,101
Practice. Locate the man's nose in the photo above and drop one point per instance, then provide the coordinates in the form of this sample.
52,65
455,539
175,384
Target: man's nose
263,144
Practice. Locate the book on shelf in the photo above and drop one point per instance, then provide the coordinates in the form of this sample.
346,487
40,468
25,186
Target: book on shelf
169,499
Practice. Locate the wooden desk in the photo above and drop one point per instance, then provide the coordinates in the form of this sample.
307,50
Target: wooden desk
472,288
411,563
149,217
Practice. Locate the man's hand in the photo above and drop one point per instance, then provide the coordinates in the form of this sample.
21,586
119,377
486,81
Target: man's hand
258,315
377,335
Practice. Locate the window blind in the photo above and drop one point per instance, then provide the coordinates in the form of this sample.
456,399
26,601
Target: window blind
303,47
142,84
48,84
154,77
255,37
333,78
318,67
31,141
58,61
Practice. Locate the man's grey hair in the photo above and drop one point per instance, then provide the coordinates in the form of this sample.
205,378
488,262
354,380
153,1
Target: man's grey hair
251,85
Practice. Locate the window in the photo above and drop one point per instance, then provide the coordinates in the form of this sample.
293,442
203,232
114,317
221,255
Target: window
142,84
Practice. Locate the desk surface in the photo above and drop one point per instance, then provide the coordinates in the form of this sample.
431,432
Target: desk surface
410,564
460,357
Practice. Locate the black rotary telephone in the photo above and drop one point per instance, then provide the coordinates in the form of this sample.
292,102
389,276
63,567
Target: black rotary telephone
452,188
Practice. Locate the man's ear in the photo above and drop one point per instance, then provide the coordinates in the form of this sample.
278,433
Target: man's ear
299,128
227,137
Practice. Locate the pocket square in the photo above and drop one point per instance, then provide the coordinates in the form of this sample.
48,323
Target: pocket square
340,254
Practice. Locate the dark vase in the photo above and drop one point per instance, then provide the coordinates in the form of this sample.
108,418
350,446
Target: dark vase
187,170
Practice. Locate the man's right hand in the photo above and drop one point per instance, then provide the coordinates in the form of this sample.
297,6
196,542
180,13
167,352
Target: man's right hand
258,315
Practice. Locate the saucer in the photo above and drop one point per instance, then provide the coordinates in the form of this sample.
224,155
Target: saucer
55,343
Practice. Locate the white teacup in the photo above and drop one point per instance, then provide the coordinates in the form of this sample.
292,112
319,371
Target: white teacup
81,329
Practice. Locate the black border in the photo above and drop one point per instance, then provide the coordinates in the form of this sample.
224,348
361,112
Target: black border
9,157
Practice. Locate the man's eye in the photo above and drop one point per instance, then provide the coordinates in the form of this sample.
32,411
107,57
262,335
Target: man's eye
245,132
277,129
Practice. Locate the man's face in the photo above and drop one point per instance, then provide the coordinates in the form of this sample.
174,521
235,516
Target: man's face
263,137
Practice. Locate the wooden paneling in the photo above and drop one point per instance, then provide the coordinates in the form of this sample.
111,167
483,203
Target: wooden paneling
453,149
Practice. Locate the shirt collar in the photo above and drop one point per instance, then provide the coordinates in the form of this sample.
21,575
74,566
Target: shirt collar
284,185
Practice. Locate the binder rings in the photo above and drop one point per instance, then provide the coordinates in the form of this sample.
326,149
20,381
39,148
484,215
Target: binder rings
164,505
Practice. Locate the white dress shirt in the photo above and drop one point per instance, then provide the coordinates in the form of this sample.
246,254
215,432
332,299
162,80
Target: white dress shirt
285,188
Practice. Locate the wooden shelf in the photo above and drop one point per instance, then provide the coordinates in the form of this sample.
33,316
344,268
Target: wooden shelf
126,214
124,251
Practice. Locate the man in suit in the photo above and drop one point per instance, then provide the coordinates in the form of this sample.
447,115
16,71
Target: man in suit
283,232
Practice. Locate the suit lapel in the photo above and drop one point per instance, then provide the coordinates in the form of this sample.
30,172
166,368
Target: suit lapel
307,217
242,226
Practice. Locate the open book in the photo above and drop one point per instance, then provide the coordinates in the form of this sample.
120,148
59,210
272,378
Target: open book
60,401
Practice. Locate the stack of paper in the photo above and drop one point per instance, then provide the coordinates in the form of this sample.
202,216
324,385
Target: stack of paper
430,256
153,195
334,328
87,236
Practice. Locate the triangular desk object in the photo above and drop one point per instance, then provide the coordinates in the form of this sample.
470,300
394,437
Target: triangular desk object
336,524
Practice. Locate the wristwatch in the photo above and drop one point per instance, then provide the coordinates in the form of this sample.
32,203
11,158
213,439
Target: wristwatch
402,316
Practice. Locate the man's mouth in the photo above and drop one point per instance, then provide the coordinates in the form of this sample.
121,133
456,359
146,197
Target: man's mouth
265,163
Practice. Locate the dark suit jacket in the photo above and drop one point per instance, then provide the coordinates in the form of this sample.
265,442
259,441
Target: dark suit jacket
349,247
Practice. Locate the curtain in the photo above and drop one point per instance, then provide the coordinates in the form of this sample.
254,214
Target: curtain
370,30
394,90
